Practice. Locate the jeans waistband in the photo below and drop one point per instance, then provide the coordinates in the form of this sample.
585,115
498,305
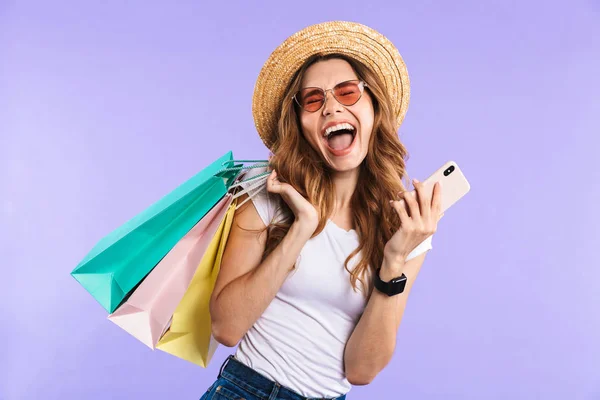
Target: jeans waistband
259,385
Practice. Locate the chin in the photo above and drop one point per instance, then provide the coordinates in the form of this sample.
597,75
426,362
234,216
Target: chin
347,163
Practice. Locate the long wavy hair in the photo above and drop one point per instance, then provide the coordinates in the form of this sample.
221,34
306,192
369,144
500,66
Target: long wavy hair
380,177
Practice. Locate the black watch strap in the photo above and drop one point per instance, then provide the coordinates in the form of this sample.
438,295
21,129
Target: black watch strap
391,288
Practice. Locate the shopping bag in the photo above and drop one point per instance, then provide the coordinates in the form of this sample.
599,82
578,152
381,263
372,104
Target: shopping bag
189,336
121,260
147,312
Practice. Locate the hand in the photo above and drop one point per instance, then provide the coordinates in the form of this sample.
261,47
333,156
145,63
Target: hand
419,212
305,214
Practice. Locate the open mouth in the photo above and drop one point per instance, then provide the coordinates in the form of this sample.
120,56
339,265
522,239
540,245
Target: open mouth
340,138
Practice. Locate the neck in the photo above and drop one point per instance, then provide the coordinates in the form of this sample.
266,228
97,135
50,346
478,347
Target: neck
344,184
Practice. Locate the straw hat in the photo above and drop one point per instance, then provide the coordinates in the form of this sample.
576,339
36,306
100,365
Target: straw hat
348,38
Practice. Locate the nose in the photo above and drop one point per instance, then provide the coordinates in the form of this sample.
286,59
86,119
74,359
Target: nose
331,104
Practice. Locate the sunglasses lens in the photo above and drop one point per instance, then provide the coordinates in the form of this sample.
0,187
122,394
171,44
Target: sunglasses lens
347,93
311,99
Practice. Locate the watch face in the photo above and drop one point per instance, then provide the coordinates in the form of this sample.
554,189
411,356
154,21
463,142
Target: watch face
398,280
391,288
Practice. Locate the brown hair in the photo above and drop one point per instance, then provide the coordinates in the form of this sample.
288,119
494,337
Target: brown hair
380,179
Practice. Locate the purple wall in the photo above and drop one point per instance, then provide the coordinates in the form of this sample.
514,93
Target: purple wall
106,106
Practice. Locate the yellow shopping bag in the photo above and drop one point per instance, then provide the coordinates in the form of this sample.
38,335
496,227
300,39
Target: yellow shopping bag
189,337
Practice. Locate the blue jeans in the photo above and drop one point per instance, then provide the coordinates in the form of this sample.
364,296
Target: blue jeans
239,382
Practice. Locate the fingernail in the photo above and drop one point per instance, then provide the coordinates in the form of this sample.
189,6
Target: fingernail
415,180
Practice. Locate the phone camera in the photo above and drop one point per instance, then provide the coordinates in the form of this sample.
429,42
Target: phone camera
449,170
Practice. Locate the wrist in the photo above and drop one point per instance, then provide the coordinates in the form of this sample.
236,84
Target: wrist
391,267
302,230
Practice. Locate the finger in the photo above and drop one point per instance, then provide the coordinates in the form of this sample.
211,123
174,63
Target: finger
270,178
278,187
424,198
413,206
436,201
273,184
400,207
405,205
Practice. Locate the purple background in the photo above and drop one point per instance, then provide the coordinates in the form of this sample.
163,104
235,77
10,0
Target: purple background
106,106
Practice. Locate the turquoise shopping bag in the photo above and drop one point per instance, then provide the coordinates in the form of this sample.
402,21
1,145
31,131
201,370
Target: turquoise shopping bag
121,260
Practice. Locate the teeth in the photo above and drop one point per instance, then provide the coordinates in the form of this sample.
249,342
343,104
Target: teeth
338,127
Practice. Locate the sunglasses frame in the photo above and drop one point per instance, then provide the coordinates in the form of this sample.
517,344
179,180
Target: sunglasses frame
361,87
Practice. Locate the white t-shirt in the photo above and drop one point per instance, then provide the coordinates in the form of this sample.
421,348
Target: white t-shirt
299,340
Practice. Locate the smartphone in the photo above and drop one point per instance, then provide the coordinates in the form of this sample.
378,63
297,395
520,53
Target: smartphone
453,183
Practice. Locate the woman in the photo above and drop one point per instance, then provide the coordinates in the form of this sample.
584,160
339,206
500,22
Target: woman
318,266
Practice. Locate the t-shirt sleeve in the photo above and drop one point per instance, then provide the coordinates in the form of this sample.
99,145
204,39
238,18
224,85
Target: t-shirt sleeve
421,248
265,203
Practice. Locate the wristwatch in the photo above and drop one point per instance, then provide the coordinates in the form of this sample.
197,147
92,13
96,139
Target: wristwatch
391,288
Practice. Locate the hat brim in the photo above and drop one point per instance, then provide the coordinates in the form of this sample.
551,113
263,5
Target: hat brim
337,37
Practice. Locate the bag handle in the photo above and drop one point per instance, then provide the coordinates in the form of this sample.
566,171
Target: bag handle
256,186
244,161
256,164
251,193
242,168
258,177
257,182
